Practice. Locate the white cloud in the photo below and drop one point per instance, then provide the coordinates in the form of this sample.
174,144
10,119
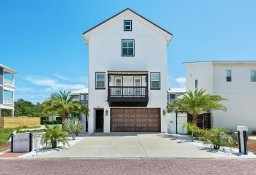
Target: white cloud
181,81
52,84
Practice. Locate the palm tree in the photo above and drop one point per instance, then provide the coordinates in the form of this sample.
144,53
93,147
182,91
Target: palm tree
63,104
197,102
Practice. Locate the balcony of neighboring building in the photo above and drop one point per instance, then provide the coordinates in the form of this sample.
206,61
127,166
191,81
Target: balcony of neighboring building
7,98
7,78
128,89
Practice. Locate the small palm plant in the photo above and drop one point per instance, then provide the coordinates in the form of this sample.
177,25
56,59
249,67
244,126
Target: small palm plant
73,126
54,135
219,137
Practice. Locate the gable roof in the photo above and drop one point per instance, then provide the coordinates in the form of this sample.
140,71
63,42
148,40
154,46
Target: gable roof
128,9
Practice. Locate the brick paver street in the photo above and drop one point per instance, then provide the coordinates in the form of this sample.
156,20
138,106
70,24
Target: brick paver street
127,166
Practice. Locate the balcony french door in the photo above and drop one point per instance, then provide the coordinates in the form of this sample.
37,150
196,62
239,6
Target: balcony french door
137,83
118,83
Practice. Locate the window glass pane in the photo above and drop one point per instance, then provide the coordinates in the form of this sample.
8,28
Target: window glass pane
82,97
253,75
100,80
128,47
155,80
127,25
228,78
130,44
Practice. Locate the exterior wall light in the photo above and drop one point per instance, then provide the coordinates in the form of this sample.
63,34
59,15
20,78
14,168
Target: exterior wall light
164,111
106,112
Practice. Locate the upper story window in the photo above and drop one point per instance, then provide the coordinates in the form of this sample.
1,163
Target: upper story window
228,75
196,84
128,47
155,80
253,75
86,97
127,25
82,97
100,80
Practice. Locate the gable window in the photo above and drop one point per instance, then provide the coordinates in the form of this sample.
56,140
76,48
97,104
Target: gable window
228,76
128,47
155,80
127,25
253,75
100,80
196,84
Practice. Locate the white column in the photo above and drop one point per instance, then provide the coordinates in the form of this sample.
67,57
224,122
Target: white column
12,112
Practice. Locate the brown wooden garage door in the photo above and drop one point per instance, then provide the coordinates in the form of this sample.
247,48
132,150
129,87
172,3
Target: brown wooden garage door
135,120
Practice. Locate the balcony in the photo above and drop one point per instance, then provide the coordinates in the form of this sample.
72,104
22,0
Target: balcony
128,96
8,101
8,83
128,88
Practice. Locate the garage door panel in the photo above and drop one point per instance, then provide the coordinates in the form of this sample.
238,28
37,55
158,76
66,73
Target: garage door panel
135,120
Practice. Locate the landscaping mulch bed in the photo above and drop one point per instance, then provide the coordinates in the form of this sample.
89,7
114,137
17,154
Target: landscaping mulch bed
5,146
251,144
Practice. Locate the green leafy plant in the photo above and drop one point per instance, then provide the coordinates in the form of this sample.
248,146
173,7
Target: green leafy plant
193,130
219,137
54,135
73,126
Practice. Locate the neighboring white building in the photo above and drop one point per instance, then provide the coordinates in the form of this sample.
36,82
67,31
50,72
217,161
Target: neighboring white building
127,74
81,95
174,93
6,89
233,80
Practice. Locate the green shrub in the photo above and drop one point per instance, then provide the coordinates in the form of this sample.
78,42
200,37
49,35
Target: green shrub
218,137
193,130
73,126
54,135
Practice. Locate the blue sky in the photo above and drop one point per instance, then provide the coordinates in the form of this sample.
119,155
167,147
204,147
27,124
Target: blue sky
42,40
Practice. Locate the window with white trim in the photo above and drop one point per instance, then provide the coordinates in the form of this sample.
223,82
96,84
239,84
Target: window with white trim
253,75
100,80
228,75
155,80
127,25
128,48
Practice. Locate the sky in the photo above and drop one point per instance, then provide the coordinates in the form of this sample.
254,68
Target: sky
42,39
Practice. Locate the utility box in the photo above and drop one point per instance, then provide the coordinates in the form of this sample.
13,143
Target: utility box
21,142
242,139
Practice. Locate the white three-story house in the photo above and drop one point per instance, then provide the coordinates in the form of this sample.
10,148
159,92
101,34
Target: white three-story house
127,74
6,89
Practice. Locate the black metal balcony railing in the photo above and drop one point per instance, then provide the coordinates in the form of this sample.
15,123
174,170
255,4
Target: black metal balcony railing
128,91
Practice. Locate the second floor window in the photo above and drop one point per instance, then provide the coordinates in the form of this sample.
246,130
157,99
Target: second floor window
253,75
155,80
82,97
228,76
128,47
100,80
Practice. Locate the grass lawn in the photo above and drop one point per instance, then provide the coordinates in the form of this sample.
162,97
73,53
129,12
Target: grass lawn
5,134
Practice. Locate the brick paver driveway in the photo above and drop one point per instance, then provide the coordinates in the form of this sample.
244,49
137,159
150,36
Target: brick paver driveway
128,166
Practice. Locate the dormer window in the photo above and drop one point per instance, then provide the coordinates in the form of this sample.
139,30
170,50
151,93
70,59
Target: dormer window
127,25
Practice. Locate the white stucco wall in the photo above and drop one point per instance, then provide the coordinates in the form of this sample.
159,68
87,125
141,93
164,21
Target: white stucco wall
105,55
240,92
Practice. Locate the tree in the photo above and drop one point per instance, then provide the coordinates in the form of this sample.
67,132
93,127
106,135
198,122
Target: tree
54,135
63,104
73,126
26,108
196,103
